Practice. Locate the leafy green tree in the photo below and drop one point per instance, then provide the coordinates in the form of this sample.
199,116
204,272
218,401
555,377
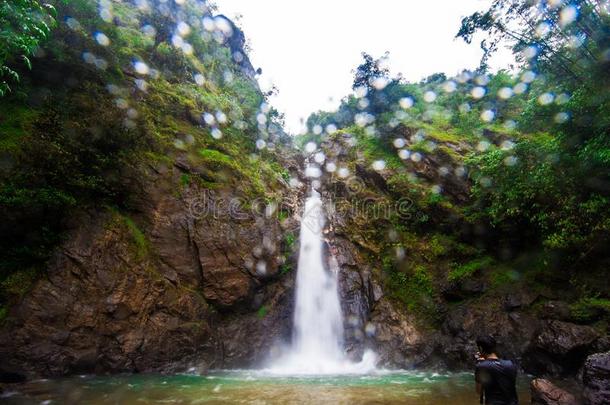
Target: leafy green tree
23,25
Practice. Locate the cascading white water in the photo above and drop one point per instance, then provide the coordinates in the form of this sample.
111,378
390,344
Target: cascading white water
318,324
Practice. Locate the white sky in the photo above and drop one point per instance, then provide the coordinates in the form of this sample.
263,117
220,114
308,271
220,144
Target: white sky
308,48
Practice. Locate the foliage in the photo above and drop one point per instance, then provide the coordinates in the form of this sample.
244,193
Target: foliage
414,289
262,312
466,270
24,24
590,308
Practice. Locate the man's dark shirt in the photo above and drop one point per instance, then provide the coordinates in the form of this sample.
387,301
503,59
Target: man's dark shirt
498,379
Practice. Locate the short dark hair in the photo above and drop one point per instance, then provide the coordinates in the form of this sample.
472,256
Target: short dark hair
487,344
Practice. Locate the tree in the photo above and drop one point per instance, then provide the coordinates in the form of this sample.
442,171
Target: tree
371,69
23,25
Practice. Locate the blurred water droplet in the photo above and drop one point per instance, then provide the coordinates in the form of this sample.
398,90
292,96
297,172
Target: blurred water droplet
406,102
488,115
149,31
561,117
510,125
520,88
331,129
141,67
73,23
477,92
142,85
399,142
546,98
121,103
510,160
449,86
567,15
199,79
482,80
360,91
543,29
343,172
132,113
216,133
530,52
482,146
183,29
464,108
313,171
379,165
260,144
102,39
562,98
528,76
221,117
429,96
507,145
310,147
505,93
379,83
485,181
209,118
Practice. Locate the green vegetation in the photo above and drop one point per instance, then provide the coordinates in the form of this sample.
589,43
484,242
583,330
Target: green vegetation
140,241
262,312
588,309
24,24
530,147
466,270
78,144
414,288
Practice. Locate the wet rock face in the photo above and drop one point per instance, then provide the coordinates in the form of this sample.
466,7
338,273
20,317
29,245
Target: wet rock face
596,379
559,348
160,290
463,324
546,393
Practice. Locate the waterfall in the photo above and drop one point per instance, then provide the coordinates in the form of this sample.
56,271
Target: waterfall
317,345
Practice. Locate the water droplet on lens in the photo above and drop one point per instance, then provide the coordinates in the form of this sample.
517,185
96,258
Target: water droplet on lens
505,93
487,115
379,165
477,92
406,102
216,133
141,67
102,39
546,98
429,96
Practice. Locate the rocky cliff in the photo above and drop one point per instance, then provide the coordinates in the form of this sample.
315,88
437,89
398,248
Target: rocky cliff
403,289
174,225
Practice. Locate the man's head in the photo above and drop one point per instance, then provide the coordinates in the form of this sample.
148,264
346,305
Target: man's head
486,344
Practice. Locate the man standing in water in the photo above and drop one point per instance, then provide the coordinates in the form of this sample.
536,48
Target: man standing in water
495,377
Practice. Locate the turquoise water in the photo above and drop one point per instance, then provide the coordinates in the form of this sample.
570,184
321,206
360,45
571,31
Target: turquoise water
254,387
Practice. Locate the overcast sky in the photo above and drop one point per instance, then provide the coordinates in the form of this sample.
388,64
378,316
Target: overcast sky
308,48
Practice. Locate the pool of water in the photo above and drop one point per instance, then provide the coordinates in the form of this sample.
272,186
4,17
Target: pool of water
255,387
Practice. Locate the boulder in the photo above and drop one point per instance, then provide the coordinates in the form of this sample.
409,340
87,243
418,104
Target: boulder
559,348
546,393
596,379
561,338
558,310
